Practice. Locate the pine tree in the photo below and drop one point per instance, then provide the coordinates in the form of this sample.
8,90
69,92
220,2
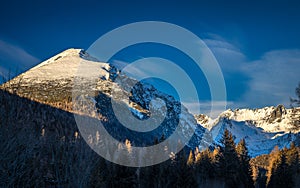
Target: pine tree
190,160
273,160
99,174
227,161
155,175
204,166
245,167
292,159
279,174
183,175
118,175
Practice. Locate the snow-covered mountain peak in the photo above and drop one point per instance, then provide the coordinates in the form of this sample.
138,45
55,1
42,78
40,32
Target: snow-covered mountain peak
52,82
65,65
271,118
69,52
262,129
75,81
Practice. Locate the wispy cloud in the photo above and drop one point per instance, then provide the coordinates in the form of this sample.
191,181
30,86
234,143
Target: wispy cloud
13,57
137,70
205,107
273,78
228,55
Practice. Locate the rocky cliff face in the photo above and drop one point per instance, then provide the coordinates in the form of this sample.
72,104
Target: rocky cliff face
270,119
76,82
277,113
263,129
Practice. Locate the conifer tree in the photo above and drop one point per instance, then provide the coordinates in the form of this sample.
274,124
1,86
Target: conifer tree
204,166
245,167
227,161
99,174
292,156
183,175
279,174
190,160
292,159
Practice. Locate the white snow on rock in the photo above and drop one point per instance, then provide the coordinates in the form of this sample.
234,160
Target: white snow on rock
258,141
263,129
67,64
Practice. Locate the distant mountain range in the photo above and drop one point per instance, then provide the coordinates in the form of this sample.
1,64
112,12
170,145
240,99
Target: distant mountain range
75,82
262,129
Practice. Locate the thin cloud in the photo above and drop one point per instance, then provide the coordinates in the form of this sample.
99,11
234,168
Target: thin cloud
204,107
16,53
229,57
273,78
138,71
14,58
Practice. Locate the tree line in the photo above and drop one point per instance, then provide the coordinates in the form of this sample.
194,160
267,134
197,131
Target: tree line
41,147
227,165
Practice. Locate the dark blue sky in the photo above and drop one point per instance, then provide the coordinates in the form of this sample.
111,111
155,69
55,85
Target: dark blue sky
46,27
246,37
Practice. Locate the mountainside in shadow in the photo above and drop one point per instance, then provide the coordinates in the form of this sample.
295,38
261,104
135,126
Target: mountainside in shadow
42,146
78,83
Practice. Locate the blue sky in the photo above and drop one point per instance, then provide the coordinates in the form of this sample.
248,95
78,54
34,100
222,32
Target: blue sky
256,43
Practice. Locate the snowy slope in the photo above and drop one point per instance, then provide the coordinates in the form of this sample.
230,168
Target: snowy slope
270,119
65,65
55,81
52,81
258,141
262,129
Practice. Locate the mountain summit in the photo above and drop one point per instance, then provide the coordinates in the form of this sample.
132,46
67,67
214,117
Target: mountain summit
76,82
263,129
51,81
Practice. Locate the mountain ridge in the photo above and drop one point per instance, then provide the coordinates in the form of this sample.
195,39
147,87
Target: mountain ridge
74,82
271,118
262,129
54,82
